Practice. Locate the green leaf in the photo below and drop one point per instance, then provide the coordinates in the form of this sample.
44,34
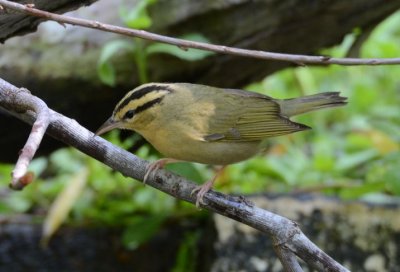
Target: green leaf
17,203
324,159
352,160
185,54
187,170
138,16
5,172
356,192
113,47
156,202
106,73
66,161
38,166
386,172
186,256
141,230
105,69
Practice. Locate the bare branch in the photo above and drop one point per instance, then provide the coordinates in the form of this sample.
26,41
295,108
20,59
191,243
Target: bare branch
287,258
20,99
286,234
184,44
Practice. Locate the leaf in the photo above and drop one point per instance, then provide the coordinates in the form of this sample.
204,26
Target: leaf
358,141
65,161
153,201
350,161
306,79
187,170
138,16
105,69
324,159
17,203
356,192
188,54
382,142
386,171
106,73
186,256
38,166
62,205
141,230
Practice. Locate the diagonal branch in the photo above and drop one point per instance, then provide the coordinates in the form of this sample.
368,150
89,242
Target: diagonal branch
287,236
287,257
184,44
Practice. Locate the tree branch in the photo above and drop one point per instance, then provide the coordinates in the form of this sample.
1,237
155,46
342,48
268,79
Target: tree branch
184,44
22,101
287,236
287,257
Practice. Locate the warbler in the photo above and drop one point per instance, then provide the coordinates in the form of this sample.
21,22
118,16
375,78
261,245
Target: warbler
209,125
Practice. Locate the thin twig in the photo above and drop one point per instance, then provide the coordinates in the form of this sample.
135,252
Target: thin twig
22,100
184,44
284,231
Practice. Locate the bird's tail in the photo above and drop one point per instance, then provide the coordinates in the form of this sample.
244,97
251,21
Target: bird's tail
295,106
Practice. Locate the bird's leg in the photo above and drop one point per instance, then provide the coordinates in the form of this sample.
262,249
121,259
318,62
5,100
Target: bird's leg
154,166
201,190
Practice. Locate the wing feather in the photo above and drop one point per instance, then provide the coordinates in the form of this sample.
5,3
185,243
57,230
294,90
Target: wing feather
252,119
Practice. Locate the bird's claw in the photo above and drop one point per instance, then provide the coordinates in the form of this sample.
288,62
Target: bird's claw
151,168
200,191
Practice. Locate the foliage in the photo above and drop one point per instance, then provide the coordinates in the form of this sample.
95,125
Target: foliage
186,257
352,152
138,50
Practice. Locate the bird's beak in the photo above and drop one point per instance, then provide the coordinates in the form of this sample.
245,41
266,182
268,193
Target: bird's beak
108,125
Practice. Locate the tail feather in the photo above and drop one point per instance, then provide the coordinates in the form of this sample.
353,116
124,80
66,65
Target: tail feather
295,106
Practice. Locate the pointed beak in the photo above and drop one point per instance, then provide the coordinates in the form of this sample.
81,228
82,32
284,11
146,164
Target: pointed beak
108,125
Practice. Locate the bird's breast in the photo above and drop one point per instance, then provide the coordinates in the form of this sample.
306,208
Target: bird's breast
184,147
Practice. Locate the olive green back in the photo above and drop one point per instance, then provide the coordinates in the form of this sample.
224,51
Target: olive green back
243,116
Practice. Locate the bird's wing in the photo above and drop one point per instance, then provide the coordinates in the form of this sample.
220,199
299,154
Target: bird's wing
248,118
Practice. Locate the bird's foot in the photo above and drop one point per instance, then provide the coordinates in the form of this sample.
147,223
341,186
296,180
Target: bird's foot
151,168
201,190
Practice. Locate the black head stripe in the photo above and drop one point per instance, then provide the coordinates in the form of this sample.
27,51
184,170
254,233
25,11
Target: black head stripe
149,104
142,92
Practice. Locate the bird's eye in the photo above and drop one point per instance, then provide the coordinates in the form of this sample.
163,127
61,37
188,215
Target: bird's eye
129,114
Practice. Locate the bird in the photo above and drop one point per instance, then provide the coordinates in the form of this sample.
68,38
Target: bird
209,125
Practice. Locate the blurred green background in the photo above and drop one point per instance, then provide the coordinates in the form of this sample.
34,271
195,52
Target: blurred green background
352,152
